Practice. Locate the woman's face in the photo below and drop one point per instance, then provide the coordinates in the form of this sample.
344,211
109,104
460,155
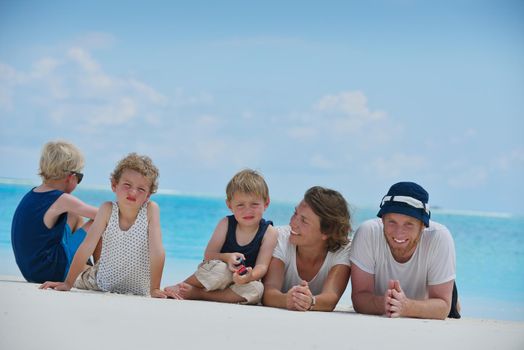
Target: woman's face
305,227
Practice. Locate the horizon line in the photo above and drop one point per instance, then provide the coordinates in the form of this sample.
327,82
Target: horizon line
174,192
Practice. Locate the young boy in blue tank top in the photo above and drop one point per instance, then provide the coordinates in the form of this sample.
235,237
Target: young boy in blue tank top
48,223
241,239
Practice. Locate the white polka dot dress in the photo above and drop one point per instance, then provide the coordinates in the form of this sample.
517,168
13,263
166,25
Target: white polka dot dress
124,261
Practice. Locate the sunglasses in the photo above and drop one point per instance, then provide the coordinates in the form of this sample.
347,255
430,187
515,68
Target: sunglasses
79,176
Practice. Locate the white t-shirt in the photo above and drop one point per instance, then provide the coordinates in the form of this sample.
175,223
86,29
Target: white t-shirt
432,263
287,252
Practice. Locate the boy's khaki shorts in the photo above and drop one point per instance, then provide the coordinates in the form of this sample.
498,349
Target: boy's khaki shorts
215,275
87,279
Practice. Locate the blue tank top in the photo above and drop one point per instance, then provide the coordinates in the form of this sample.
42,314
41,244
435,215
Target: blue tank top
38,250
249,250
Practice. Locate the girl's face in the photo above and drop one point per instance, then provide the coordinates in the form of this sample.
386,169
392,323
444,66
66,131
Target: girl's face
247,208
305,227
132,189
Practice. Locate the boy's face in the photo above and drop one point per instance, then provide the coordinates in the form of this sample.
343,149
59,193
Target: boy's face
71,181
247,208
132,189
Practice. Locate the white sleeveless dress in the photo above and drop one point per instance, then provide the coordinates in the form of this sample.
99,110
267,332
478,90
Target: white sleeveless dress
124,261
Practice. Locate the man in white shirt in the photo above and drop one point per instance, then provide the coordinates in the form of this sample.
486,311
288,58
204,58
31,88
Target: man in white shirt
403,264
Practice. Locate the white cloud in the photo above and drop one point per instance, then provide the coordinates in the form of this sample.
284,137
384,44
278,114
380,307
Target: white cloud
44,67
398,165
207,122
303,133
116,113
469,178
347,113
9,78
181,98
319,161
510,160
210,152
84,59
463,138
351,104
95,40
148,91
76,88
259,41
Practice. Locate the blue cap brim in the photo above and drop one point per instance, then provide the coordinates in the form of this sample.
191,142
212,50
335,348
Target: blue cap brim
401,208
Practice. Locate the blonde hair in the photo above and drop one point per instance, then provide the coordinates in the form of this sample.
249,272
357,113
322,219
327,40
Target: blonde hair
58,159
333,212
248,181
141,164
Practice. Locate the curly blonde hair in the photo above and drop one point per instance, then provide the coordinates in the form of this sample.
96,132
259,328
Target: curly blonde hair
139,163
333,212
248,181
58,159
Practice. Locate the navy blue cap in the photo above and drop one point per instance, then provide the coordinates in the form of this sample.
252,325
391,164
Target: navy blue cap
406,198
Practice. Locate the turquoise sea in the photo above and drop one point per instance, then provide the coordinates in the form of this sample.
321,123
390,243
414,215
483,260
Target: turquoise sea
490,247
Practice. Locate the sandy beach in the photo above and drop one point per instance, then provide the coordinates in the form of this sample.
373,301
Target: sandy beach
36,319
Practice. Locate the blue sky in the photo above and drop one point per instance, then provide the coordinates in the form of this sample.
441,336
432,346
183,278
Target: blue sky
350,95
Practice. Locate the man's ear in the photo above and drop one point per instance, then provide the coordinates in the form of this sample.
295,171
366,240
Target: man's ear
267,202
228,203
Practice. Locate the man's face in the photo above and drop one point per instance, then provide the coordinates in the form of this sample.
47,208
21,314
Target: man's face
402,233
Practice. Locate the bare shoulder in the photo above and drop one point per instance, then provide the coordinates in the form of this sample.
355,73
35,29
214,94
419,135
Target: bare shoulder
105,209
106,206
271,232
221,229
153,209
223,223
153,206
271,236
67,199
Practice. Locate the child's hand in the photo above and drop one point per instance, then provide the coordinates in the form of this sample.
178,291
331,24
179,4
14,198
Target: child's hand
158,293
233,260
62,286
246,278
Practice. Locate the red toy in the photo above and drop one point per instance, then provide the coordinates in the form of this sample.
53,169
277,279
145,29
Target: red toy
241,267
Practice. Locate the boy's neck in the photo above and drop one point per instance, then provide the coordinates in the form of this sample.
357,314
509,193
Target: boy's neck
127,216
247,230
49,185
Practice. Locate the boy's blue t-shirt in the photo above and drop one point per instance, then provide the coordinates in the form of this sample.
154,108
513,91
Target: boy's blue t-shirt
38,250
249,250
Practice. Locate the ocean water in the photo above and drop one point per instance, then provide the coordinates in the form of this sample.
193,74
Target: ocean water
489,247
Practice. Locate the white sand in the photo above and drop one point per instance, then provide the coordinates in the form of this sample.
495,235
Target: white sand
38,319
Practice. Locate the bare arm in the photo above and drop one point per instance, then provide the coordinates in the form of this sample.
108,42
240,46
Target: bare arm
273,282
437,305
85,250
69,203
363,293
156,249
215,245
300,297
333,288
264,257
